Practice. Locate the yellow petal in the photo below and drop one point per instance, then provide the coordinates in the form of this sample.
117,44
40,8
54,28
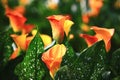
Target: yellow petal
46,39
67,26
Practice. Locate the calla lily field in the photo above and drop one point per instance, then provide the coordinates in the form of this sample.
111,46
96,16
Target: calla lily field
59,40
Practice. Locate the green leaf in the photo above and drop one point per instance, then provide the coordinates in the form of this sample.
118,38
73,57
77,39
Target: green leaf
70,55
90,65
115,62
32,67
5,48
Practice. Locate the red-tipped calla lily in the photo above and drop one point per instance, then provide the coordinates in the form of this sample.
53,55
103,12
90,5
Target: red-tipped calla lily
89,39
101,34
53,58
59,24
17,20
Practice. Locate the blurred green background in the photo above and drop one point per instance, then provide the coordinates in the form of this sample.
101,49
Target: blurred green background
38,10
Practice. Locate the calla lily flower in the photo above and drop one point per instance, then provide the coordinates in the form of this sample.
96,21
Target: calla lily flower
17,20
101,34
22,42
53,58
59,24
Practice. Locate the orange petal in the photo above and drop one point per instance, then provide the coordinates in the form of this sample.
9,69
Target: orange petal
20,40
15,54
53,57
89,39
105,34
27,28
17,20
28,40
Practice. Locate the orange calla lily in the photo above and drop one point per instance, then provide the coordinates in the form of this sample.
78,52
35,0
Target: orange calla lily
59,24
53,58
105,34
22,42
101,34
17,20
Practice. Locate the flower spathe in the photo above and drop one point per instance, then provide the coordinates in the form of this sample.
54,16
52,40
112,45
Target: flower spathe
105,34
22,42
60,24
89,39
101,34
53,57
17,20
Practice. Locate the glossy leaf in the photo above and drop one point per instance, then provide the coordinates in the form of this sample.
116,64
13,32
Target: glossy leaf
5,48
32,67
115,62
90,65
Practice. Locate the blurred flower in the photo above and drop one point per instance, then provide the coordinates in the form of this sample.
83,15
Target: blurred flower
95,6
52,4
25,2
60,24
17,21
101,34
71,36
4,3
117,4
85,18
85,27
53,58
